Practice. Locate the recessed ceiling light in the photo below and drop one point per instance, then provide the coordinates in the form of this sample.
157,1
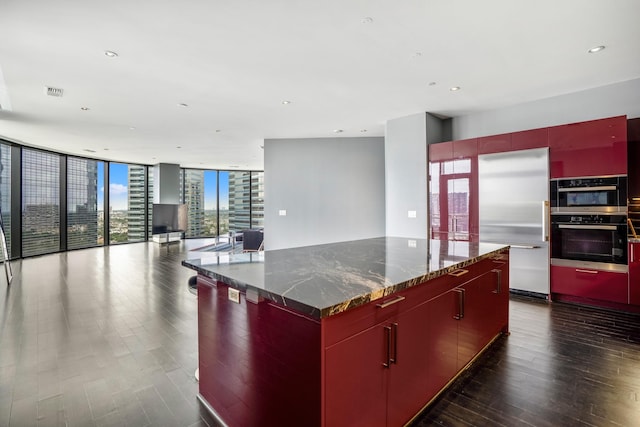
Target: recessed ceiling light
84,108
432,83
218,130
417,55
367,20
455,88
596,49
132,128
178,146
106,149
110,53
338,131
88,150
286,102
182,104
363,130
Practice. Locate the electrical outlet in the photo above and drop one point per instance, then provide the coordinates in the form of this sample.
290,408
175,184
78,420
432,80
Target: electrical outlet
234,295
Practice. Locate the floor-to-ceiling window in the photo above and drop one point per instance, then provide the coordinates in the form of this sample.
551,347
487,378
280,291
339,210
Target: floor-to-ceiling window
83,192
128,200
5,194
40,202
223,202
257,199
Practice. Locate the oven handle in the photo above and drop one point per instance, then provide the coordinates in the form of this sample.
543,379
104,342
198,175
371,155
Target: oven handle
574,189
589,227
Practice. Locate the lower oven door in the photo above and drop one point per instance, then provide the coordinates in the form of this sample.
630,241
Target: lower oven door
604,244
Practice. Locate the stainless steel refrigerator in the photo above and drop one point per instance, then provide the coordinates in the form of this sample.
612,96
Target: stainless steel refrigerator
514,210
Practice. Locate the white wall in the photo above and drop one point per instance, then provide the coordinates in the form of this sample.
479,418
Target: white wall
405,151
606,101
331,188
166,183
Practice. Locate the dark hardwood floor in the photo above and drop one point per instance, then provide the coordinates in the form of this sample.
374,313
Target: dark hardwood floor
107,337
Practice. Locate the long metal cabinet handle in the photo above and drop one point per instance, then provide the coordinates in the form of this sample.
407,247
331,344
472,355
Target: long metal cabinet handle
498,281
387,336
394,333
459,272
460,314
545,221
579,270
598,188
589,227
390,302
633,258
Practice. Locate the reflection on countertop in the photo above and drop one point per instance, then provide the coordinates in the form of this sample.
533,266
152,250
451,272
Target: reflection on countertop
323,280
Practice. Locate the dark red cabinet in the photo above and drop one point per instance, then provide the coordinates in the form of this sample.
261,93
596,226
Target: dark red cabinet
494,144
590,283
592,148
634,273
383,364
527,139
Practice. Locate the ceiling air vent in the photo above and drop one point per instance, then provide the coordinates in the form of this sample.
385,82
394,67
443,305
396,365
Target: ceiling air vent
53,91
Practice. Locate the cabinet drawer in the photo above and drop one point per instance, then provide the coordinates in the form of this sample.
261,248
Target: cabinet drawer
588,283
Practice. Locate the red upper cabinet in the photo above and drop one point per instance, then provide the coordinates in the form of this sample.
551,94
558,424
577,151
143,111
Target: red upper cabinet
526,139
465,148
597,147
441,151
494,144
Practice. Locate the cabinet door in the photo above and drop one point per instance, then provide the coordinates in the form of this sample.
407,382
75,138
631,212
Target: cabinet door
356,380
443,337
634,273
476,320
589,283
408,375
597,147
494,144
526,139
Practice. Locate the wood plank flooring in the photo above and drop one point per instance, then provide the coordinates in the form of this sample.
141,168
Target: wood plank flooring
107,337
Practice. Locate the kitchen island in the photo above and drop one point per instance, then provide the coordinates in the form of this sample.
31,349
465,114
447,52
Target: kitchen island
364,332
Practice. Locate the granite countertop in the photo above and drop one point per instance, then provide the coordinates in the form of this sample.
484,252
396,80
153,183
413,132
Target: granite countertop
323,280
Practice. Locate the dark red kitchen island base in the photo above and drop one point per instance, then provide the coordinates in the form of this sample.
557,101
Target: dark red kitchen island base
377,364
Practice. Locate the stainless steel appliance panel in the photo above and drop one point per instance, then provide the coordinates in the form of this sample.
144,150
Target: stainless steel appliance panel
514,210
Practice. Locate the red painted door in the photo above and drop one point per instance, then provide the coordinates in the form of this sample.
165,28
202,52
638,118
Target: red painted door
634,273
593,148
443,336
356,380
408,375
474,323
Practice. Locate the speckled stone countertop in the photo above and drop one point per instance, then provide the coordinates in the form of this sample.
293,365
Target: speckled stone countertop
327,279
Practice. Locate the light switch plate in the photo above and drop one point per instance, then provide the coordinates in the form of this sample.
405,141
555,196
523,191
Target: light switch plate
412,243
412,214
234,295
282,212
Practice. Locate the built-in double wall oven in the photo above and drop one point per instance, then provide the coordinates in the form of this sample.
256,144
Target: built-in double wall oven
589,223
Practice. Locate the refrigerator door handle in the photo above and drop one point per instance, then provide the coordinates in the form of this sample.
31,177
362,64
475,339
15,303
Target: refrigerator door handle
545,221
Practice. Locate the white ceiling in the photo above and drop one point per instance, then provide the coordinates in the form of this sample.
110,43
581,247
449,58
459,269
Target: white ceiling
234,62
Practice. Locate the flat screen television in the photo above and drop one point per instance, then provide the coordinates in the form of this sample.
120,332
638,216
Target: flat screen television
169,218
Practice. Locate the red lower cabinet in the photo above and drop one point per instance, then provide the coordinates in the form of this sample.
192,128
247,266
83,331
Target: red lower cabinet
590,283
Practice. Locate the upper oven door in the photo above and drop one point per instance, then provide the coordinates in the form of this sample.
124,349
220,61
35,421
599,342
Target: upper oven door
589,195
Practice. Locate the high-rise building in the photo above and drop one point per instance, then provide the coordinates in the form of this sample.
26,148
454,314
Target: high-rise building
82,203
137,200
246,200
193,190
239,201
